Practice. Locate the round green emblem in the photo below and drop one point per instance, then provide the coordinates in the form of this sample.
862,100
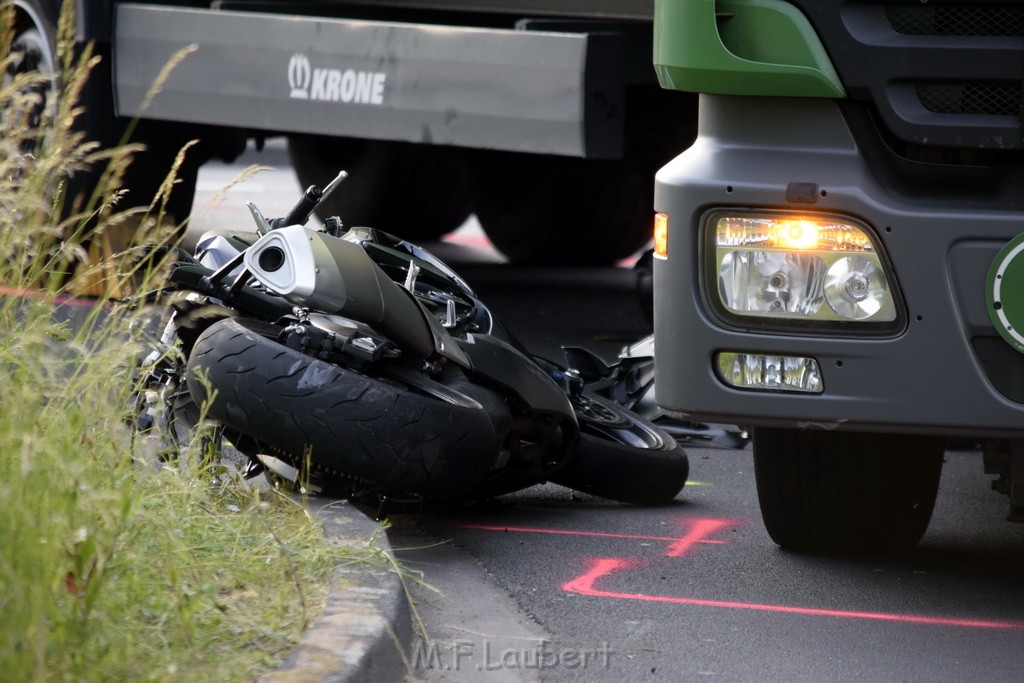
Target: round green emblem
1004,292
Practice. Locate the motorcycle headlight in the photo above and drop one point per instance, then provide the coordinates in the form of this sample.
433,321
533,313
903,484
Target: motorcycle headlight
774,269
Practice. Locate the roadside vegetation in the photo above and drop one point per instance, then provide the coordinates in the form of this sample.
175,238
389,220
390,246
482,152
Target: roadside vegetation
111,567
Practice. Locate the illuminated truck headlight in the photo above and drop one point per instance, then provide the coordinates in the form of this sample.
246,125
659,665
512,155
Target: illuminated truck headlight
823,270
857,289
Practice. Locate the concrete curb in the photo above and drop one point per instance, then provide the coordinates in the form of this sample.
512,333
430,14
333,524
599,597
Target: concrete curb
366,630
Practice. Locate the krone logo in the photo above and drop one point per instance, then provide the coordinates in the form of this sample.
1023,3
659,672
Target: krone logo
300,74
347,86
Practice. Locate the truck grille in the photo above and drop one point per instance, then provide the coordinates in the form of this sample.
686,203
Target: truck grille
998,99
957,19
941,75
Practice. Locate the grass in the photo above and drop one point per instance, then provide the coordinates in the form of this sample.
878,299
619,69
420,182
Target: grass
111,569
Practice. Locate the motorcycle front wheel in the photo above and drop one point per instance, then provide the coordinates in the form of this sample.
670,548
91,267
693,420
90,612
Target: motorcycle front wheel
622,456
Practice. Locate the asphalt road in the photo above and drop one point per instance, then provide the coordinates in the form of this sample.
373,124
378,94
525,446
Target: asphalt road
551,585
697,590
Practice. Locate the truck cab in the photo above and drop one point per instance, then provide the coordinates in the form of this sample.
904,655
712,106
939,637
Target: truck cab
835,262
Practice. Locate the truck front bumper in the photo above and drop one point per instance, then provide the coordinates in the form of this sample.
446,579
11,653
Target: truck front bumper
940,369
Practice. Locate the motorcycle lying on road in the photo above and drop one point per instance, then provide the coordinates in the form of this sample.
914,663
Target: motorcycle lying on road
365,366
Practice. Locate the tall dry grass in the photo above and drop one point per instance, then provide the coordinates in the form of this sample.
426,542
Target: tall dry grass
111,569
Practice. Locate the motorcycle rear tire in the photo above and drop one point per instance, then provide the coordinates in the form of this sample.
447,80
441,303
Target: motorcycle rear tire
623,457
362,432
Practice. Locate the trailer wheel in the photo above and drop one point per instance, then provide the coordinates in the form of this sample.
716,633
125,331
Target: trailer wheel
552,210
562,210
846,492
34,48
31,50
417,192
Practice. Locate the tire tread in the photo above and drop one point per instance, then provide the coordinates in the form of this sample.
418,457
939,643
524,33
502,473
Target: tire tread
835,492
356,426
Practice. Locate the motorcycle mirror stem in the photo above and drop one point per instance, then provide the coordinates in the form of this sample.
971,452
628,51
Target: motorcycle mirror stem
262,226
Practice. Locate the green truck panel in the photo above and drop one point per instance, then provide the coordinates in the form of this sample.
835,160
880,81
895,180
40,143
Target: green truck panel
743,47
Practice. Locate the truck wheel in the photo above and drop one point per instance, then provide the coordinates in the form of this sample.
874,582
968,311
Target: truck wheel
417,192
31,50
34,48
570,211
825,491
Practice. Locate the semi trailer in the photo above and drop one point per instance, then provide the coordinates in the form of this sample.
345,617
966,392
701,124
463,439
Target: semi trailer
544,119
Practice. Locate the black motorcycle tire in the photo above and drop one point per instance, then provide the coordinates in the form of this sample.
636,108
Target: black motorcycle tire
623,457
363,432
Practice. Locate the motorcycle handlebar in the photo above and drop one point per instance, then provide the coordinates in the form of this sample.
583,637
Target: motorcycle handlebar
307,204
301,211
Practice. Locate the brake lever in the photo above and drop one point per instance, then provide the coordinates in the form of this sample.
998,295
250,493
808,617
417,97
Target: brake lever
331,187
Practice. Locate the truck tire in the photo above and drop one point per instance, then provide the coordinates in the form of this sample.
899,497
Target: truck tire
417,192
551,210
836,492
370,433
33,50
34,37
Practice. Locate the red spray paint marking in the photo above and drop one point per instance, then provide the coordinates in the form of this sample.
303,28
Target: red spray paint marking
700,528
42,296
682,543
584,585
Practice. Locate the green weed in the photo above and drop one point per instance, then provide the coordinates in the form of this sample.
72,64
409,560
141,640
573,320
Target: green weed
110,568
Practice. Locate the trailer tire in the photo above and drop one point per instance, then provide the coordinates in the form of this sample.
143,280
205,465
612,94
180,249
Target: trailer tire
417,192
35,34
839,492
549,210
33,47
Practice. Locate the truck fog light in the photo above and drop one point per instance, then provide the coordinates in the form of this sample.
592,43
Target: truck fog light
769,372
775,269
856,288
